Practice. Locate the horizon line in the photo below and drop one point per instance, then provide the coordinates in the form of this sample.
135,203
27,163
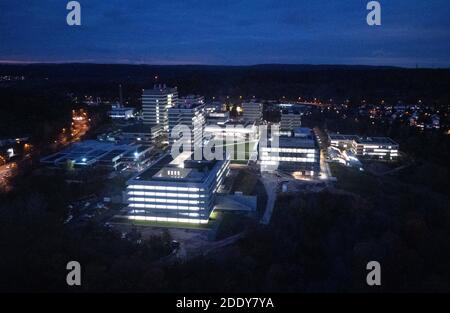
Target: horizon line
15,62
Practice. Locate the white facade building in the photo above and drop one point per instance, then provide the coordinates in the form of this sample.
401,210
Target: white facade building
252,111
290,120
297,155
343,141
122,113
156,103
376,148
176,190
379,148
189,112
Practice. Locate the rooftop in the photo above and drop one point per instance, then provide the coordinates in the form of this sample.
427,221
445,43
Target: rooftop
180,169
343,137
376,140
89,152
298,142
138,128
160,89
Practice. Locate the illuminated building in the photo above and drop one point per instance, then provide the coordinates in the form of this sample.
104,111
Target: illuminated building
218,118
96,153
238,131
252,111
343,141
156,103
176,190
377,148
380,148
189,112
298,154
120,112
141,133
290,119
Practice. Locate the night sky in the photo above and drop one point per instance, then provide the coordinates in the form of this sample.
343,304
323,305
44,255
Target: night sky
229,32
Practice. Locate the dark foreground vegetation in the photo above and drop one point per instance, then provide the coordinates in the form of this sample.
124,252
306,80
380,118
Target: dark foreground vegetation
315,243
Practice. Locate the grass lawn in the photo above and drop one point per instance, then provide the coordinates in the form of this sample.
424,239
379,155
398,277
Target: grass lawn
232,224
354,180
245,182
247,146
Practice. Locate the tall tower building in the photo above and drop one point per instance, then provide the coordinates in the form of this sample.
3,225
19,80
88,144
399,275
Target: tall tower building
156,103
190,112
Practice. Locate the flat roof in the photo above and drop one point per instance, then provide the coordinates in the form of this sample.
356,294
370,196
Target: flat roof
343,137
89,152
180,169
139,128
297,142
160,90
112,154
377,140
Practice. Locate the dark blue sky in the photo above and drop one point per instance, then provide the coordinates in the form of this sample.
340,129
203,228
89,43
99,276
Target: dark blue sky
227,32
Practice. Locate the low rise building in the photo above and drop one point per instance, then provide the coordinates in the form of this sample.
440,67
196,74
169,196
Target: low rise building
119,112
379,148
218,118
376,148
176,190
96,153
343,141
145,133
296,155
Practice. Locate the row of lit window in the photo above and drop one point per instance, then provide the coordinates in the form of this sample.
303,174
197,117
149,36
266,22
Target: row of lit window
168,219
164,194
288,150
164,207
166,188
286,159
162,200
184,214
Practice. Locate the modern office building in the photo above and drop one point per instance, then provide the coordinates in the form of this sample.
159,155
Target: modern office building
290,119
252,111
176,190
189,112
343,141
232,130
139,132
298,155
214,106
97,153
120,112
155,105
377,148
218,118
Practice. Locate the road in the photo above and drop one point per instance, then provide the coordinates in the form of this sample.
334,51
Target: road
325,172
6,171
271,184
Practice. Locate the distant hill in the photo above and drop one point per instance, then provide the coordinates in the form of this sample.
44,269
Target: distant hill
269,81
